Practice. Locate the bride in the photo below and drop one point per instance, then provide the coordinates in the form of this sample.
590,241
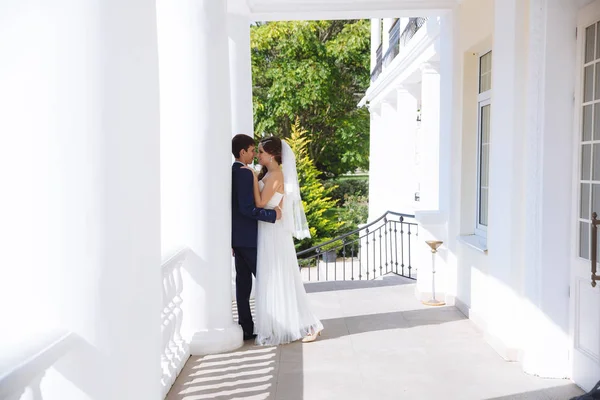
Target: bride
283,314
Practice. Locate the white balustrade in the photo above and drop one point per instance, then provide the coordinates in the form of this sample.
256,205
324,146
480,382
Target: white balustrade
21,376
175,351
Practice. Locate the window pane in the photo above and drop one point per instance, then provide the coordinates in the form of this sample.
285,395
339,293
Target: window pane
584,203
584,240
486,63
485,124
485,166
590,34
483,207
597,86
485,83
596,121
484,163
596,158
586,161
588,83
587,123
597,42
485,72
595,201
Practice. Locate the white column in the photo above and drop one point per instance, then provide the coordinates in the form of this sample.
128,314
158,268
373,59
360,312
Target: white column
405,173
392,157
375,40
240,71
195,165
387,24
80,210
430,217
548,171
375,158
430,131
506,212
450,149
388,157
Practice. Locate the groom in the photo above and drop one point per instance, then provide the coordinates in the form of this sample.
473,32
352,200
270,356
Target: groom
244,217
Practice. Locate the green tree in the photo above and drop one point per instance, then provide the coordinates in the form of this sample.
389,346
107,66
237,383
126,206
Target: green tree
315,197
315,71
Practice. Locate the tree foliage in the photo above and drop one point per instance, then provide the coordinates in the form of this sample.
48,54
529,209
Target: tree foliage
315,71
315,197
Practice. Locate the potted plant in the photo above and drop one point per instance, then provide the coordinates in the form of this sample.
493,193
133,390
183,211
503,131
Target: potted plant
330,250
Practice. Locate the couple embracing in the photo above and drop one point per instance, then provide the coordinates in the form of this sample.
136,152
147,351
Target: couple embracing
267,214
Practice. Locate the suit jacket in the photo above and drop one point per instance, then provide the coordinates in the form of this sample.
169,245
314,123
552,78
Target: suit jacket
244,214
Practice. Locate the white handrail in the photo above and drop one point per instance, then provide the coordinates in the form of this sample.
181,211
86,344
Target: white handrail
32,362
175,351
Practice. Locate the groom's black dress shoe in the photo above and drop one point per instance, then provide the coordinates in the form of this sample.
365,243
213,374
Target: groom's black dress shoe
249,336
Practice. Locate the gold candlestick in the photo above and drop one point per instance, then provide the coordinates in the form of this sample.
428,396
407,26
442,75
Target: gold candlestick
434,245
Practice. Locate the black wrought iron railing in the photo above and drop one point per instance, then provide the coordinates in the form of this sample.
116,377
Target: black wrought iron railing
379,248
394,44
414,24
378,65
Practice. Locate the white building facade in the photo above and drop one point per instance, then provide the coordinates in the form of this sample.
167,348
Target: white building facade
505,172
115,127
405,86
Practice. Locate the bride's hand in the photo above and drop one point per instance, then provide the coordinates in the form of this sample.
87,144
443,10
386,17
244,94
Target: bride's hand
254,172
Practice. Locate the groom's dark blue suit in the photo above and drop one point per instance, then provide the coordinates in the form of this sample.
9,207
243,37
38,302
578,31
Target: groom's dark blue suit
244,231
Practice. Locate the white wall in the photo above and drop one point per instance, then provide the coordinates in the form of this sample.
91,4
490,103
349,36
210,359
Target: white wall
472,267
518,291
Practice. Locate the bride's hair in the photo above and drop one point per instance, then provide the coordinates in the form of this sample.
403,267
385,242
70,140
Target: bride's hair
272,146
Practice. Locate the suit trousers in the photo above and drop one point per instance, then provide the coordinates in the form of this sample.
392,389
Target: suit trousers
245,267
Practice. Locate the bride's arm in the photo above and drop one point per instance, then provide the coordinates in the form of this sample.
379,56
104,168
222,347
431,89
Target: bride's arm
272,184
245,199
255,188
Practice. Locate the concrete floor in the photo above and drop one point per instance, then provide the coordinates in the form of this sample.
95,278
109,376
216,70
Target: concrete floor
378,343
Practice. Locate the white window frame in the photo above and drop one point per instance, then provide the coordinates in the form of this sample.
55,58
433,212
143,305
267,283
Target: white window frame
483,99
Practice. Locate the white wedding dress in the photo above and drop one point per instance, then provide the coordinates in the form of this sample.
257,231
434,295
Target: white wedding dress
283,313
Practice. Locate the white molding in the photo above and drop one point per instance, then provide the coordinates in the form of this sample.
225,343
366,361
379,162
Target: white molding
476,242
425,37
375,109
430,67
277,10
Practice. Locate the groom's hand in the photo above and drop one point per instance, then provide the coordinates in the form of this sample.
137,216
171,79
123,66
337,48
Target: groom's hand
278,211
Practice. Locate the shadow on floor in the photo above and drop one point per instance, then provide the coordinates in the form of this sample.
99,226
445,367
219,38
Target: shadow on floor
330,286
352,325
248,373
565,392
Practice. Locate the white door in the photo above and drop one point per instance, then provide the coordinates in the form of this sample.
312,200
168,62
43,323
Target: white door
585,299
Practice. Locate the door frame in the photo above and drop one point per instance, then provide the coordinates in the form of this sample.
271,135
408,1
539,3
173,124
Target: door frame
586,16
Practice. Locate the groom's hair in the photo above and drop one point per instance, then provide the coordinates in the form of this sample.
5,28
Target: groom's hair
241,142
